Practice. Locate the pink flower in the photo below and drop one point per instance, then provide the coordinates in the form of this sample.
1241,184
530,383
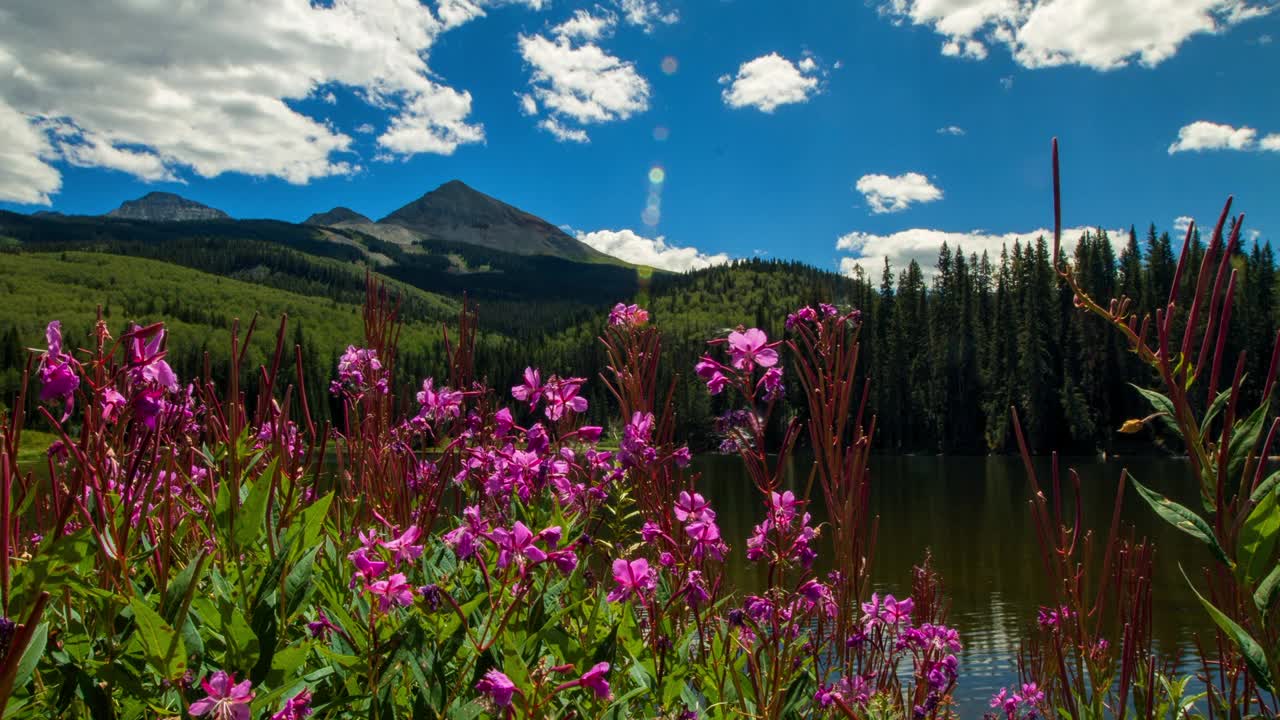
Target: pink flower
296,708
771,383
751,348
784,506
628,315
531,390
57,372
516,542
498,687
692,507
596,681
224,699
562,396
394,590
632,577
590,433
366,569
147,358
439,405
403,547
112,403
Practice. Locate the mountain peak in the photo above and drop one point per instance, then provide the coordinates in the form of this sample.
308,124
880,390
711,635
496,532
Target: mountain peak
166,207
457,212
336,216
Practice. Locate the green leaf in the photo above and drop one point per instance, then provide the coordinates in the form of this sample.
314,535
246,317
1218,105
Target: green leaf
241,640
298,584
1257,541
1268,591
31,656
1216,407
1253,654
1162,405
1264,487
1244,439
1182,518
305,531
251,520
175,596
161,645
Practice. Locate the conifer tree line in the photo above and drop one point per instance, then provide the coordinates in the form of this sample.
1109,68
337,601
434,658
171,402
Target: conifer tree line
952,350
948,349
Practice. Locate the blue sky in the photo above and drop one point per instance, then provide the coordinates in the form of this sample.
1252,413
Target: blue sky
822,132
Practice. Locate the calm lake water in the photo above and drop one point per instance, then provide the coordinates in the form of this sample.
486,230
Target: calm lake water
972,514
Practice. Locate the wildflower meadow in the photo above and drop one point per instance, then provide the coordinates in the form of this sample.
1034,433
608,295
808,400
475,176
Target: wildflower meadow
456,550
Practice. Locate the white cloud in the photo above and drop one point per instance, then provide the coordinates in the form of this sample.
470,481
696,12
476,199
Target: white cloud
330,99
585,26
1099,34
922,245
769,81
25,176
195,88
364,128
951,130
580,83
1270,142
528,106
655,252
562,133
1264,39
1181,223
1203,135
647,13
887,194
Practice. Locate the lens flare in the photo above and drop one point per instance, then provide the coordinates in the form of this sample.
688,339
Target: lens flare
661,133
657,175
670,65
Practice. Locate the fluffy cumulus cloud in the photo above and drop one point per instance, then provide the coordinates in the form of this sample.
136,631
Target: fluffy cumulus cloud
575,81
1204,135
868,250
1099,34
647,14
1270,143
1181,223
886,194
655,252
194,88
770,81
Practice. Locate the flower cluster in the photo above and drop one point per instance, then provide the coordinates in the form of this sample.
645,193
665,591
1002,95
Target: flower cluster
628,315
393,590
359,373
559,395
1024,704
785,535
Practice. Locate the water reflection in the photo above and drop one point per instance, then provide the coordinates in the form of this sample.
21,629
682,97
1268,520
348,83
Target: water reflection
971,513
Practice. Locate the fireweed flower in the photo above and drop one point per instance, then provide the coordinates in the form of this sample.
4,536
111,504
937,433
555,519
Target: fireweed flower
224,699
402,547
395,590
366,569
695,589
112,402
804,314
594,680
563,396
296,708
357,368
632,315
440,404
146,358
531,390
463,539
635,448
497,687
57,371
771,384
517,542
692,507
321,626
634,577
751,348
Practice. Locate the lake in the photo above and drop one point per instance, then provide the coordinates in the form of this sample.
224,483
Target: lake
972,514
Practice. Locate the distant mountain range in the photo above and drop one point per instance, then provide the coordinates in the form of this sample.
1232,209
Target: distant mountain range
453,213
166,207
